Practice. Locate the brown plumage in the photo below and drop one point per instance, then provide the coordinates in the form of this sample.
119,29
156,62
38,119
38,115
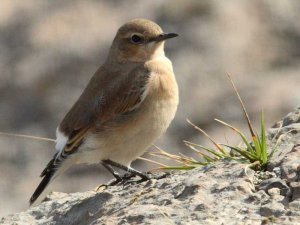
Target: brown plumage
128,103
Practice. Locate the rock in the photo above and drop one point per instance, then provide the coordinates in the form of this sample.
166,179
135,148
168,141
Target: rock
277,171
295,207
278,183
284,138
295,186
278,156
273,191
214,194
272,209
260,176
291,118
226,192
290,166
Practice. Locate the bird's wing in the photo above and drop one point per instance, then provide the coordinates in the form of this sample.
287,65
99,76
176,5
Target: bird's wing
109,96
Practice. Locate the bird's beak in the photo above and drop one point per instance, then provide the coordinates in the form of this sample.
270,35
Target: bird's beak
164,36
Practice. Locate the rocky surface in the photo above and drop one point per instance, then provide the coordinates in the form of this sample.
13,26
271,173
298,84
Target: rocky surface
226,192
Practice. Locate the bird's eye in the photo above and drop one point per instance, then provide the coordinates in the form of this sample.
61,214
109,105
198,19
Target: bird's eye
137,39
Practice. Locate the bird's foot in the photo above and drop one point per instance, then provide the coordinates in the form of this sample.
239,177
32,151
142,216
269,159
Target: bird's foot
127,178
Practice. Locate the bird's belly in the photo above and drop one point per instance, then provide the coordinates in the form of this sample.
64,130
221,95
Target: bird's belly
126,142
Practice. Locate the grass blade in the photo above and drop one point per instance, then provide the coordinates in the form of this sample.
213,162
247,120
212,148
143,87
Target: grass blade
212,151
263,140
249,147
244,153
180,167
219,147
243,107
257,145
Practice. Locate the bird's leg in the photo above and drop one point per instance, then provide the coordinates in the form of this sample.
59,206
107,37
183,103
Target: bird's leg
112,171
132,172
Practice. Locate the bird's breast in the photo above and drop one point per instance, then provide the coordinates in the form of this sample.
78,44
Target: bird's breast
161,102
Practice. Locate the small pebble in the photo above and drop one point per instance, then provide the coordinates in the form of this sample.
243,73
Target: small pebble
277,171
274,191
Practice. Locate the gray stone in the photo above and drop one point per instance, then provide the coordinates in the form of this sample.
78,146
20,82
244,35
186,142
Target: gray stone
295,207
291,118
290,166
273,191
277,171
211,195
280,152
272,209
295,186
274,183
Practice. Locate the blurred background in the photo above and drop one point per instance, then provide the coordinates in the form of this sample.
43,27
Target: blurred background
50,49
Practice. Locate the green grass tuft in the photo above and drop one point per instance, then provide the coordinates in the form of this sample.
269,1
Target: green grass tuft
253,151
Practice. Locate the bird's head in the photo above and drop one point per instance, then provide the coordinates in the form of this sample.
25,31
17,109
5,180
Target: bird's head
138,41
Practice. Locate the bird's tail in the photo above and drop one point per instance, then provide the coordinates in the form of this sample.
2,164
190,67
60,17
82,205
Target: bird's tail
52,170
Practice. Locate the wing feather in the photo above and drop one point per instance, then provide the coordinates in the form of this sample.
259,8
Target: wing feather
107,96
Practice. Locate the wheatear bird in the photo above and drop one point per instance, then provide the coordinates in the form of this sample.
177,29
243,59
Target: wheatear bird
126,106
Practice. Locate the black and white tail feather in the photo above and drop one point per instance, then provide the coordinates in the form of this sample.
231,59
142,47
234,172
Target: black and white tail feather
61,161
49,173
